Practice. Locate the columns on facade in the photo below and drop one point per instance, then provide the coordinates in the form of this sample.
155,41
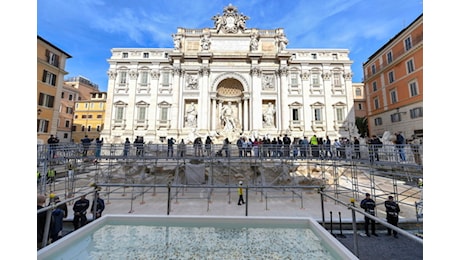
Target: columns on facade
213,114
283,72
247,127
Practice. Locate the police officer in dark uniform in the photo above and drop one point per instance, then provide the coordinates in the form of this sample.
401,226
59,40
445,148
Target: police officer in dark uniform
392,209
368,205
79,208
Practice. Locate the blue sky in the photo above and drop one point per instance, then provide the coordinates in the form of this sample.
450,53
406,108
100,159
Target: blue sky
89,29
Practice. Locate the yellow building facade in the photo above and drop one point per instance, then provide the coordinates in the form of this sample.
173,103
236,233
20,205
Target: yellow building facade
89,117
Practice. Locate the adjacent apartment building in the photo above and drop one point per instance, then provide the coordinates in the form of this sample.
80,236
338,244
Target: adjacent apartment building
228,81
394,84
51,62
89,117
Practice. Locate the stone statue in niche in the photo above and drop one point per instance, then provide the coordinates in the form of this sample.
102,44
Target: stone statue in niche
191,115
177,42
282,42
205,42
227,116
254,42
269,116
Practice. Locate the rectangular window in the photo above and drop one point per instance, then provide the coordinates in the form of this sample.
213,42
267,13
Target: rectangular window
164,113
295,114
119,113
314,56
416,112
408,43
84,116
315,79
410,66
146,55
373,69
165,79
318,117
339,114
98,128
294,81
99,116
413,89
391,77
69,110
144,77
334,56
358,92
376,103
49,78
125,55
42,126
46,100
374,86
123,76
396,117
141,113
67,123
378,121
52,58
62,94
360,106
70,97
336,79
389,57
90,116
393,96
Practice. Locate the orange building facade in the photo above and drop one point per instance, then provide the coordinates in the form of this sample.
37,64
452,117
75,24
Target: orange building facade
393,81
51,62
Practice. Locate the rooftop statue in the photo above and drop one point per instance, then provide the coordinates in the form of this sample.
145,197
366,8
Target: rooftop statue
230,21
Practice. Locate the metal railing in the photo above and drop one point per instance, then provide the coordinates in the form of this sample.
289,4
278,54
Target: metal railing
407,153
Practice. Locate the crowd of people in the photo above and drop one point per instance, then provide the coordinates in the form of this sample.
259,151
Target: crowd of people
59,212
280,146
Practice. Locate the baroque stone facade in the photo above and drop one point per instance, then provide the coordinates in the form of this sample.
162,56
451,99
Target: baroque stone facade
228,81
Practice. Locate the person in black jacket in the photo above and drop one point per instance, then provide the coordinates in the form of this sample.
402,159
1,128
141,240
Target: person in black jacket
368,205
79,208
392,209
58,215
100,206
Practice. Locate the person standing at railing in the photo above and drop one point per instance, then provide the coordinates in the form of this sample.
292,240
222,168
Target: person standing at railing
374,145
86,142
400,143
368,205
100,206
126,147
182,148
207,146
314,146
171,142
58,215
99,143
357,147
392,210
79,208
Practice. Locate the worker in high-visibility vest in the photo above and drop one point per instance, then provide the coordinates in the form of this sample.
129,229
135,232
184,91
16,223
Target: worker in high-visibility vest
240,193
51,176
